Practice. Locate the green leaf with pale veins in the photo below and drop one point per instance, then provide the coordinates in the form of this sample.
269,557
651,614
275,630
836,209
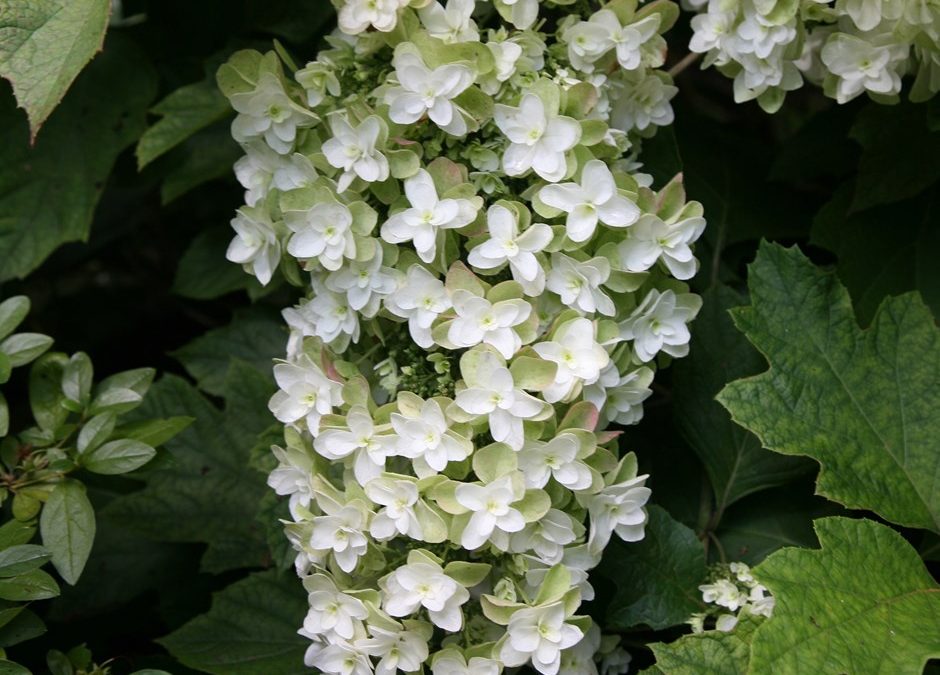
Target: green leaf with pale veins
48,193
67,525
250,630
657,578
862,403
184,112
209,493
863,604
710,653
43,46
736,463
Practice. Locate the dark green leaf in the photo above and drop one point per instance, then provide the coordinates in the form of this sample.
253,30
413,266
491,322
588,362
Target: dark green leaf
209,493
96,431
25,626
863,403
657,578
736,463
899,156
120,456
154,432
11,668
76,380
250,630
255,336
21,348
67,525
49,191
184,112
203,272
16,532
209,155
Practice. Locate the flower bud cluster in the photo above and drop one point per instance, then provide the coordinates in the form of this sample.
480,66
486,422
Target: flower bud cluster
733,593
486,288
849,47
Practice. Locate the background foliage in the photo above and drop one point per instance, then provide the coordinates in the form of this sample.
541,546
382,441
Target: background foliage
115,224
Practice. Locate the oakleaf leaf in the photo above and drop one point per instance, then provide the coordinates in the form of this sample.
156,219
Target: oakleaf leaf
863,604
43,46
862,403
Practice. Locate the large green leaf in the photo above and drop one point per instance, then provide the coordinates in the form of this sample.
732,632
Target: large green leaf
67,525
736,463
862,403
43,46
203,273
876,261
862,604
209,493
184,112
710,653
48,192
250,630
255,335
657,578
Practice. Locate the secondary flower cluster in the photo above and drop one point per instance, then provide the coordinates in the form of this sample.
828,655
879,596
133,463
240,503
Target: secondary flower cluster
487,286
737,591
850,47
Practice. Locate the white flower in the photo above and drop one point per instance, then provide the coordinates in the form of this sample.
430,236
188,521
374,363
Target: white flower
353,150
267,111
538,139
359,439
617,662
424,584
588,40
424,435
341,533
577,354
617,508
261,168
491,391
332,611
421,299
755,36
710,30
651,239
322,232
492,510
861,65
539,634
428,215
306,393
398,517
546,537
340,659
451,23
558,459
579,658
507,245
424,91
659,323
578,283
452,662
621,396
317,78
760,604
356,16
365,283
292,477
643,100
479,320
255,244
578,560
523,13
604,32
594,200
403,650
506,55
333,320
723,593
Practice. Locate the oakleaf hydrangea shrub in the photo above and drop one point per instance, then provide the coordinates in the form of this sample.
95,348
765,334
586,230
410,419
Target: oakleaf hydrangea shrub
488,284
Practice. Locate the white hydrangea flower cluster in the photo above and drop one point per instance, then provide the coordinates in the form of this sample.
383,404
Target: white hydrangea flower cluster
737,592
487,287
849,47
